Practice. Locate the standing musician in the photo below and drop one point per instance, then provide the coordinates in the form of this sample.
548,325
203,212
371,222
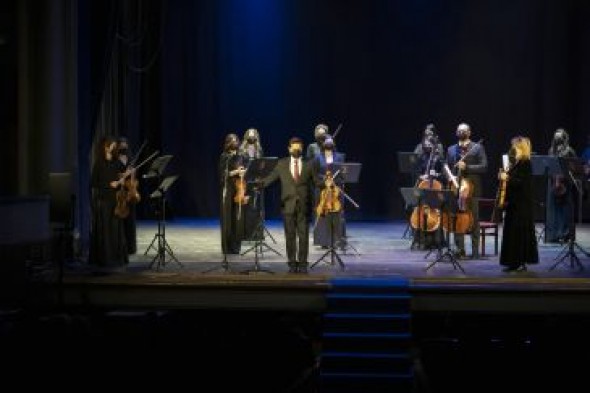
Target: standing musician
560,194
251,149
467,160
324,163
314,149
519,240
233,198
108,248
430,160
129,222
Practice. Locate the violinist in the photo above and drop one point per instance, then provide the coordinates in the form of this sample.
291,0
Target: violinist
325,162
468,161
251,149
319,133
129,222
560,194
108,248
519,240
231,171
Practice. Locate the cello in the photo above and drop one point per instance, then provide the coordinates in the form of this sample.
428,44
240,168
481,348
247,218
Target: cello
463,217
424,217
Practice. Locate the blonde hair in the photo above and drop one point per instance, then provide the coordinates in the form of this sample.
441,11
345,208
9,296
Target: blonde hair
522,146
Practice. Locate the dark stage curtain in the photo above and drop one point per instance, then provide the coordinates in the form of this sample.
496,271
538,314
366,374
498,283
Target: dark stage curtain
382,68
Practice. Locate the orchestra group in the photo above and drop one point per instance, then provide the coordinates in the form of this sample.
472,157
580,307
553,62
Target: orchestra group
311,184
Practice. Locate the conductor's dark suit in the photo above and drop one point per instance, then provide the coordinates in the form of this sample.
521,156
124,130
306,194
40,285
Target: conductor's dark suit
295,196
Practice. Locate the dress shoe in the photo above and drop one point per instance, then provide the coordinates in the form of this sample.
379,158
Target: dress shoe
302,268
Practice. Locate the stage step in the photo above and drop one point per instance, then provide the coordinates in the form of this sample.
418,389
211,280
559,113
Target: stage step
366,341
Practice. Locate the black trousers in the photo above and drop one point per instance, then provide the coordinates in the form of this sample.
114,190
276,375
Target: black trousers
297,231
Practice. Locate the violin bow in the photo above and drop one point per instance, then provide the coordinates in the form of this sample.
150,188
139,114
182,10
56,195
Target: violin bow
138,153
337,131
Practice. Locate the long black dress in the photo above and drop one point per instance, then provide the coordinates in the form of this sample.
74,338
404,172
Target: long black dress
231,224
519,241
108,248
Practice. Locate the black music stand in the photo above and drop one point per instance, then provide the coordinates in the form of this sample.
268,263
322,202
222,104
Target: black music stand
571,168
157,167
408,162
163,246
447,201
545,166
260,168
348,173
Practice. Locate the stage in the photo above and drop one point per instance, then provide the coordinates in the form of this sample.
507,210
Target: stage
382,321
197,279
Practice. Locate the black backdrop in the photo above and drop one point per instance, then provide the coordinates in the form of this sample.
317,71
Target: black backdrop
382,68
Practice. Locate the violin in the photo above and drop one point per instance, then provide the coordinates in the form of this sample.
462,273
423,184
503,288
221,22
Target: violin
240,196
128,192
329,197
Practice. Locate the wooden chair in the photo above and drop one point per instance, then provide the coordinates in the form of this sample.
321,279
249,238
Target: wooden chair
489,225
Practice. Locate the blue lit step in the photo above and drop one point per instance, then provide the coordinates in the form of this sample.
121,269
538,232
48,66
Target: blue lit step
366,322
368,303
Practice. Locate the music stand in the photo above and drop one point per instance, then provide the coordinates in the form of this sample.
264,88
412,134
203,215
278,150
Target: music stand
571,167
543,165
163,246
157,167
260,168
409,163
447,201
348,173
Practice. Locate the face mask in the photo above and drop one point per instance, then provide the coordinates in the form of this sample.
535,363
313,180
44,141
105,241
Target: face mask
123,152
295,153
251,140
321,138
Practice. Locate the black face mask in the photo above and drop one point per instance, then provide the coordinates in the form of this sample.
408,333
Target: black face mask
251,140
512,155
296,153
123,152
320,139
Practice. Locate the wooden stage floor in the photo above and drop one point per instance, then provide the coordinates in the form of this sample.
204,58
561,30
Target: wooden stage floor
197,280
376,249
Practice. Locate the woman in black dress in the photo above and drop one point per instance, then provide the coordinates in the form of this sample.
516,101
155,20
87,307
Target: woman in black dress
519,240
108,249
251,149
231,170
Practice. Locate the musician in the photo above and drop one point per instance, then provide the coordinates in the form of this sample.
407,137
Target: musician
560,199
430,136
314,149
519,240
324,162
430,161
130,222
468,160
108,248
231,167
251,149
298,179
